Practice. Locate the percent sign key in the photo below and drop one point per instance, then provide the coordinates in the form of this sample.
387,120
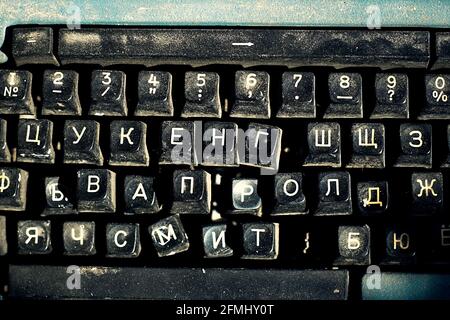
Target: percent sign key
438,89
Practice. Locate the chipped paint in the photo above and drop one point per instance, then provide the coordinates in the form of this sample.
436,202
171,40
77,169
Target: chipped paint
352,13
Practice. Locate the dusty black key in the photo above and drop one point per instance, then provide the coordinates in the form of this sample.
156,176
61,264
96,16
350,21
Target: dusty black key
215,243
34,141
416,146
33,237
79,238
345,91
3,241
201,91
400,245
392,96
437,243
33,46
122,240
220,144
108,93
324,144
60,93
338,48
15,92
251,95
289,197
373,197
179,283
5,154
299,95
58,197
13,189
96,190
127,143
81,142
168,236
354,245
262,147
442,44
437,90
368,142
245,197
154,94
335,197
191,192
140,196
427,189
177,143
261,241
446,163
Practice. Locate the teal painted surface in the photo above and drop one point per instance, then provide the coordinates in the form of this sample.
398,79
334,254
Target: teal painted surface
351,13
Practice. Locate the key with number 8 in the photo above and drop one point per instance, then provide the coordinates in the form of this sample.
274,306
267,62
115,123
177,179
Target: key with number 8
345,92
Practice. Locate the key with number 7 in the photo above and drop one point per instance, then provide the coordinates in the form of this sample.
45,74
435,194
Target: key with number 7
298,95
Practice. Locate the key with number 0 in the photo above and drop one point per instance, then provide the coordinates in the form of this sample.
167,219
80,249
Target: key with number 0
437,90
108,93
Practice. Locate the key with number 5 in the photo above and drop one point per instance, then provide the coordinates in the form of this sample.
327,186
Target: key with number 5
108,93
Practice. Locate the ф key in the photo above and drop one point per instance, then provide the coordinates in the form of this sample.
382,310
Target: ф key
13,189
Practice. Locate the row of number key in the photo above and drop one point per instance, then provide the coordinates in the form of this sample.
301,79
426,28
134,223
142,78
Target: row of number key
202,98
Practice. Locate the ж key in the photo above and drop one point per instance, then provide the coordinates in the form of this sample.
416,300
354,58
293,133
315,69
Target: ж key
177,284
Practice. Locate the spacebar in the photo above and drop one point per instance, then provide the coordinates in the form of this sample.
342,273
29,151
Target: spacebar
59,282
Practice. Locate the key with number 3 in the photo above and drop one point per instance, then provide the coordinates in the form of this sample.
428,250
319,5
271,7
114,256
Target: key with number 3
108,93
